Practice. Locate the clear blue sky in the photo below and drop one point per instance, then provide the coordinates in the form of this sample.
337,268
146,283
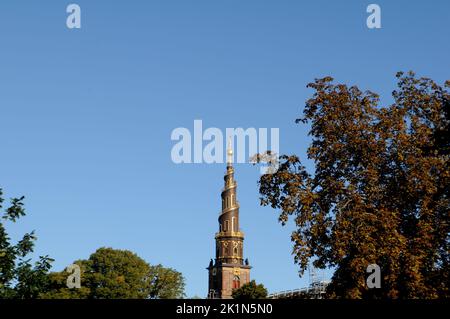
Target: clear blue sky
86,115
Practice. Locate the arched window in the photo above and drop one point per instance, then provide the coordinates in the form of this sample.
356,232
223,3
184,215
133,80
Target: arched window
236,282
226,226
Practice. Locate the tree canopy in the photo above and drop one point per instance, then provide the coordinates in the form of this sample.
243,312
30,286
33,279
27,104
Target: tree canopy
19,278
250,290
379,192
166,283
107,274
118,274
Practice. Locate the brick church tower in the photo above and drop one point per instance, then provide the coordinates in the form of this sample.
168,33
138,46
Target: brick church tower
229,270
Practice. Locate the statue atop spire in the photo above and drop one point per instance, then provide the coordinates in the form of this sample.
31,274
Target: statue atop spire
229,152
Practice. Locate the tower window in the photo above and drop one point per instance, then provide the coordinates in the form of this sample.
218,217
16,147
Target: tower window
227,225
225,249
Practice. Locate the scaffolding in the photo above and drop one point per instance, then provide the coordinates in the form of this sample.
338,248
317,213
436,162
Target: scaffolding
315,290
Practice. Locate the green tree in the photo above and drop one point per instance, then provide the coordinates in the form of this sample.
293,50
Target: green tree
250,290
18,277
380,190
112,274
166,283
117,274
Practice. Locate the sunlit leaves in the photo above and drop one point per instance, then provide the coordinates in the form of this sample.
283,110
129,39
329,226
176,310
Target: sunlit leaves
379,192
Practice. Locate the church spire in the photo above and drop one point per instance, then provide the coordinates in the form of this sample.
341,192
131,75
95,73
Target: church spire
229,271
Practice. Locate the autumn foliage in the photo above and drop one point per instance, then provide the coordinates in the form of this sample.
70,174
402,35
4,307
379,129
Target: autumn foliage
379,192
